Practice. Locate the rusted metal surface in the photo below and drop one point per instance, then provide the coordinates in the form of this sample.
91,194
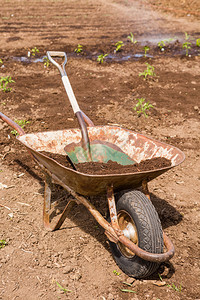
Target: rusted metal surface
112,207
116,235
137,146
47,206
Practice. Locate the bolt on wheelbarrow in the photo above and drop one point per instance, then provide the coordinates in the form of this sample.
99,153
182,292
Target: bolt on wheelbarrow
133,228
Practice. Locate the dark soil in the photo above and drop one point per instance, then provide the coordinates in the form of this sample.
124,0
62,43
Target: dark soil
112,167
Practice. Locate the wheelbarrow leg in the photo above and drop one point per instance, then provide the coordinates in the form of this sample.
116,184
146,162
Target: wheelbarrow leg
47,206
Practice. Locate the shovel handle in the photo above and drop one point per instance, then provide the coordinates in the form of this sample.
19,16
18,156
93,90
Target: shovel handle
65,79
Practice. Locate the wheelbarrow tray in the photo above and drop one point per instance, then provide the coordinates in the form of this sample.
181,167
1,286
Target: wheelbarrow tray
135,145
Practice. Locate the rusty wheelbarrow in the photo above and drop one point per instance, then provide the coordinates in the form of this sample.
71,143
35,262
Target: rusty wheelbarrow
133,228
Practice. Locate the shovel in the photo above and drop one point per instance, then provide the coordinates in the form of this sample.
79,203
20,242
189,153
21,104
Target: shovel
86,151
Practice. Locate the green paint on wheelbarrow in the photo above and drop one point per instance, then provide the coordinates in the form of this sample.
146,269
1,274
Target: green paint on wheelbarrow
100,152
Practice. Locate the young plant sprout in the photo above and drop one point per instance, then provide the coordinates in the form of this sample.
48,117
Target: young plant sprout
4,81
79,49
149,72
146,49
186,44
34,51
141,107
161,45
21,123
131,38
198,42
46,62
1,61
119,45
101,57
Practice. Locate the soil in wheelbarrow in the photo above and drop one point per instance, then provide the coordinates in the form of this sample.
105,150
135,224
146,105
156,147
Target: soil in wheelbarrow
111,167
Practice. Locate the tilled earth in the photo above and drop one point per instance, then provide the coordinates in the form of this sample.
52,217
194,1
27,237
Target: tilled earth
34,263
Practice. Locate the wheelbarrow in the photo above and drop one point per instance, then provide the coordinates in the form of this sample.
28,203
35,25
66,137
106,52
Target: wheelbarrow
133,228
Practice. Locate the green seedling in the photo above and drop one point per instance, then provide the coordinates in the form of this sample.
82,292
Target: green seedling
79,49
101,58
119,46
34,51
127,291
62,288
131,38
146,49
186,44
175,288
3,243
149,72
161,45
198,42
21,123
1,61
141,107
116,273
4,81
46,62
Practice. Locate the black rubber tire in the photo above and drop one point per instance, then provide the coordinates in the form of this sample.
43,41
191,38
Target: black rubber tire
149,231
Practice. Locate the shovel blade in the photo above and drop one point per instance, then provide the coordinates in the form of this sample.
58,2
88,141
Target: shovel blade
99,152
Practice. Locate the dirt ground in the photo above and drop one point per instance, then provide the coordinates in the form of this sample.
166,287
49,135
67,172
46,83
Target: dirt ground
34,261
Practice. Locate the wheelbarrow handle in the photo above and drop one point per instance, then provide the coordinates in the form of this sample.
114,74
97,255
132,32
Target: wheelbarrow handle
12,123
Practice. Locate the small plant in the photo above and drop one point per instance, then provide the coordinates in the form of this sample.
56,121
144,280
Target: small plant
116,273
131,38
148,72
161,45
175,288
62,288
101,57
141,107
46,62
79,49
127,291
119,45
34,51
198,42
146,49
21,123
4,81
3,243
1,61
186,44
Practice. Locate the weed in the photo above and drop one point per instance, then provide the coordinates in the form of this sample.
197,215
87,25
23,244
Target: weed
198,42
3,243
141,107
4,81
1,61
131,38
116,273
148,72
127,291
62,288
146,49
79,49
101,57
46,62
175,288
119,45
186,44
21,123
34,51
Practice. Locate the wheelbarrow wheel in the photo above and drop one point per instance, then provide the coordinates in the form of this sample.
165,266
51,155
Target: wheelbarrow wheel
139,222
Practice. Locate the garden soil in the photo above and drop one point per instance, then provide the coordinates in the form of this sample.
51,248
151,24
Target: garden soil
75,262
